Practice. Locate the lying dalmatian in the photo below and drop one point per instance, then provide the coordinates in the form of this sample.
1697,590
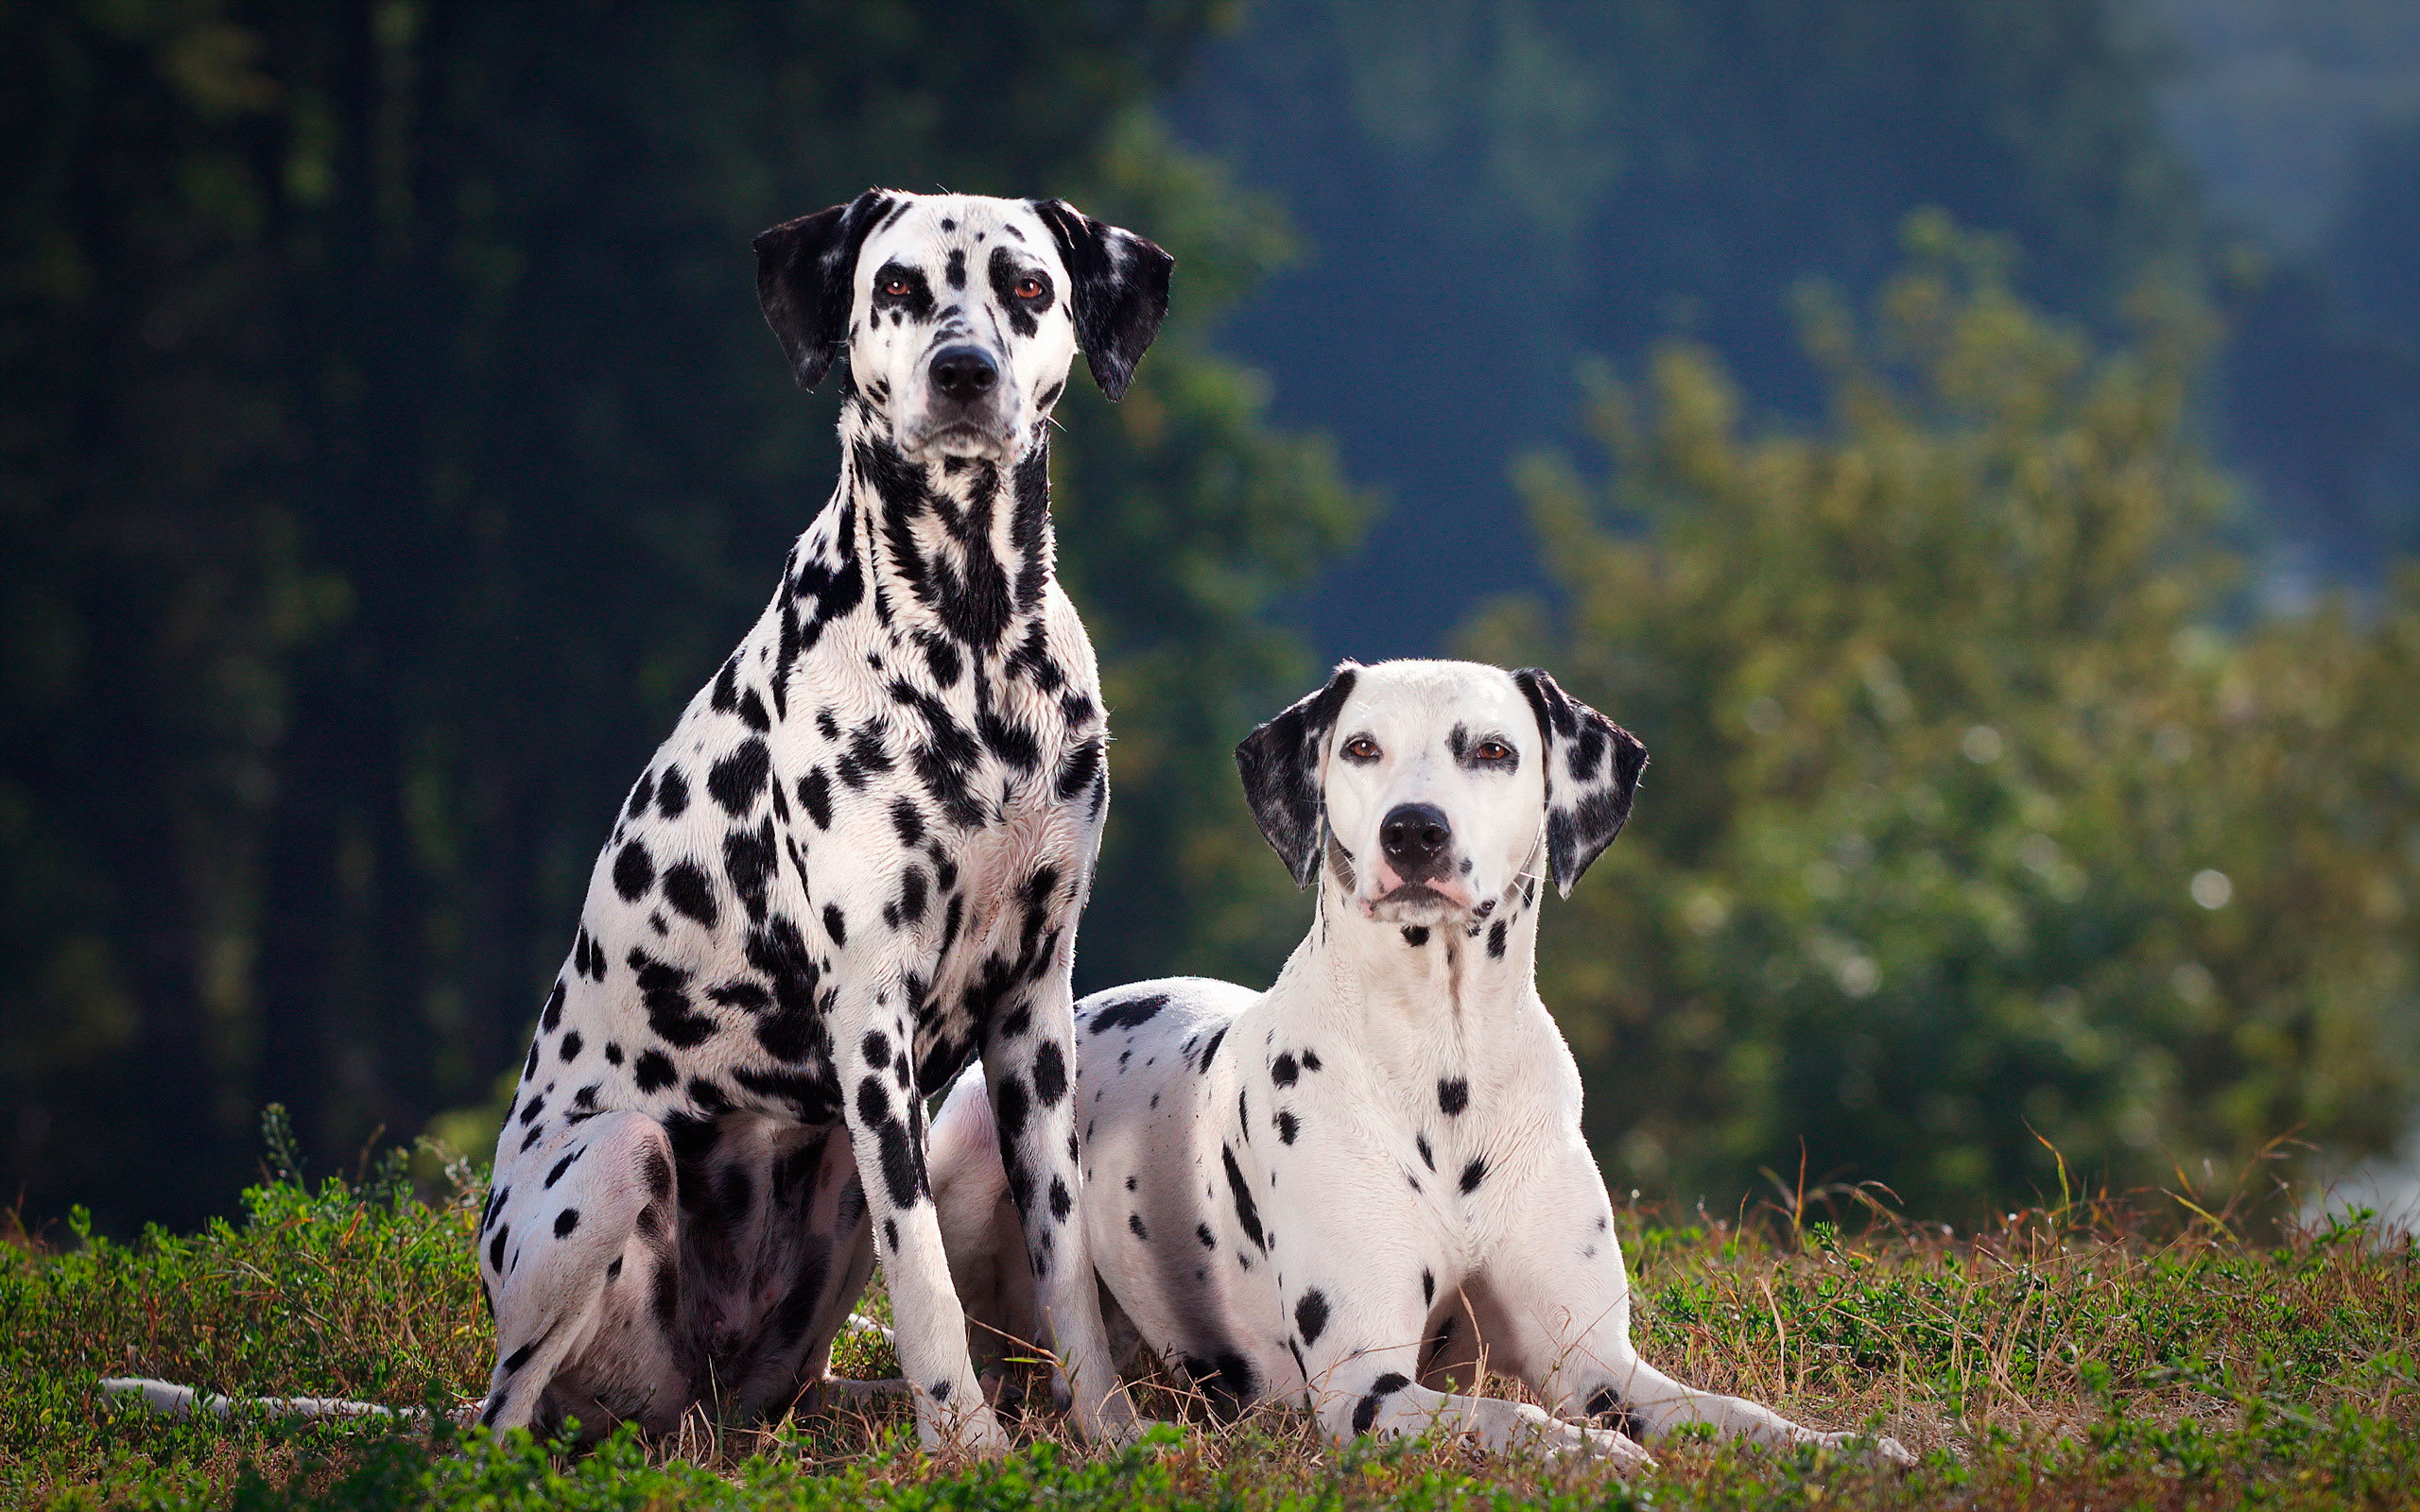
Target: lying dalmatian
857,863
1354,1188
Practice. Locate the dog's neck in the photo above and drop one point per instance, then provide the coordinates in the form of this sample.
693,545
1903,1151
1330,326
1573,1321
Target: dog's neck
1475,971
960,547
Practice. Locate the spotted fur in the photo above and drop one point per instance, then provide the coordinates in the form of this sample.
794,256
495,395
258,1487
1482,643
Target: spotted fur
1380,1179
856,865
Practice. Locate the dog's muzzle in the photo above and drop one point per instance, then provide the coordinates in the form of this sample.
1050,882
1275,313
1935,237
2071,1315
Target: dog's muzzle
1415,871
965,404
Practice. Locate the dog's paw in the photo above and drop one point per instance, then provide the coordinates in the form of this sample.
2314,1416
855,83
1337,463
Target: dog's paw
1627,1454
1891,1452
1883,1450
974,1433
1113,1422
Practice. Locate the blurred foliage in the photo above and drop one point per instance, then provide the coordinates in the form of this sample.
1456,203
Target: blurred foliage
389,444
1491,189
1977,815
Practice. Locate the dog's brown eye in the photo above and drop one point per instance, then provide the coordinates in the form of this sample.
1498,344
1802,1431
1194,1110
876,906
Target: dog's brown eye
895,287
1028,289
1493,750
1361,748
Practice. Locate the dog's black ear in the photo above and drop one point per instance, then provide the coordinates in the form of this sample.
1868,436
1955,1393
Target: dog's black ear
805,269
1592,767
1121,291
1280,763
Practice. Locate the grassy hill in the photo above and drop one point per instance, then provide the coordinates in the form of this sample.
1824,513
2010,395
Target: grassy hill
2071,1356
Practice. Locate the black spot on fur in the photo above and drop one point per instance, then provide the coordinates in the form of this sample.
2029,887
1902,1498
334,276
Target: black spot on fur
1495,940
1285,1071
633,872
1131,1013
747,859
571,1045
672,794
653,1071
1247,1211
1365,1413
665,990
1453,1095
565,1222
1049,1074
1415,935
1427,1287
691,892
1474,1173
1134,1224
739,780
1310,1316
907,821
815,795
1288,1127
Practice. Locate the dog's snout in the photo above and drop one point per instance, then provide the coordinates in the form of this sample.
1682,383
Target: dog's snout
964,373
1415,837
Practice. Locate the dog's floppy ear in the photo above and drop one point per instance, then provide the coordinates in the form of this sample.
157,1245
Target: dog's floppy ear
804,273
1121,290
1280,763
1592,767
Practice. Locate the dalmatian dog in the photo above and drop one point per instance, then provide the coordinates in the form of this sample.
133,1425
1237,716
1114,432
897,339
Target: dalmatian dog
857,863
1363,1188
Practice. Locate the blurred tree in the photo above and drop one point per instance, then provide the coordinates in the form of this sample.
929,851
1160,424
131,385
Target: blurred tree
1536,180
390,444
1972,811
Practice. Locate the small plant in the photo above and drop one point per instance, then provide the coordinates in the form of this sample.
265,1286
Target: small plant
2075,1353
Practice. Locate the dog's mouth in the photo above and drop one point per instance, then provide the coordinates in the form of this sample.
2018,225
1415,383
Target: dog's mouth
962,437
1412,902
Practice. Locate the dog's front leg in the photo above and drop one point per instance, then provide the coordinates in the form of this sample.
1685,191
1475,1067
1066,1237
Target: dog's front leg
886,1122
1028,1064
1563,1299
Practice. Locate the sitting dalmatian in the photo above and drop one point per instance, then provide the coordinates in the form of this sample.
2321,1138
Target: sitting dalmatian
857,863
1354,1189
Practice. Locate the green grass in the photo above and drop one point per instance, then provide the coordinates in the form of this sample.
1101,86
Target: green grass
2068,1358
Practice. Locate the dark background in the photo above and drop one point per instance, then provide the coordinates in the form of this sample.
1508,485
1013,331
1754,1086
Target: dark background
390,444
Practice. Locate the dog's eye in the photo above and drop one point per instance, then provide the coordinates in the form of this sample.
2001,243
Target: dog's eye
1028,289
1361,748
1493,750
896,287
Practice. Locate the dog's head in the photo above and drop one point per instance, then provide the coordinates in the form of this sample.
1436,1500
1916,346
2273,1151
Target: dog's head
959,315
1432,787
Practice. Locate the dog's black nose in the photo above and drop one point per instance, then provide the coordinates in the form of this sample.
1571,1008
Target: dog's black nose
964,372
1415,836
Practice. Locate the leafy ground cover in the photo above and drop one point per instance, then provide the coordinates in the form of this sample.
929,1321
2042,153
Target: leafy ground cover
2069,1356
